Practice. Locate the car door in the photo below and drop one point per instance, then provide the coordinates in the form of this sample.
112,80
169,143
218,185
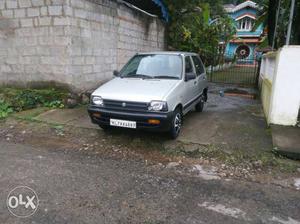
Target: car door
201,75
190,85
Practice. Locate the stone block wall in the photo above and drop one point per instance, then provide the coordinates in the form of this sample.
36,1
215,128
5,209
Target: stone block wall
74,43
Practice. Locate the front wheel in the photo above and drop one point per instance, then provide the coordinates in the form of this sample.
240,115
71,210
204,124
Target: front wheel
104,126
176,124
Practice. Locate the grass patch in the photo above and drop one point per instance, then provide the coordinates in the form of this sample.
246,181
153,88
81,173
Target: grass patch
59,130
16,100
5,109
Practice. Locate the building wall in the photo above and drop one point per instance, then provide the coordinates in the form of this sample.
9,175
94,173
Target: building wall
280,85
75,43
231,48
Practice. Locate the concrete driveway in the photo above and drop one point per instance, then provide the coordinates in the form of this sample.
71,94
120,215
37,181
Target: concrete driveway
230,123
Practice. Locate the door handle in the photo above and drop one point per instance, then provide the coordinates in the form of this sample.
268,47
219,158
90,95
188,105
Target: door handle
195,82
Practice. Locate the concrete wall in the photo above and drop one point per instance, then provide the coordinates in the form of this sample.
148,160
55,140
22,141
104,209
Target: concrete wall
280,85
77,43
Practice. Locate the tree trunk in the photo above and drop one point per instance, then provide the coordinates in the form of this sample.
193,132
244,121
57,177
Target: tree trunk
273,4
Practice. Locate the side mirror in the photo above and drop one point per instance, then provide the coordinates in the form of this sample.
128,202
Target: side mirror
116,73
190,76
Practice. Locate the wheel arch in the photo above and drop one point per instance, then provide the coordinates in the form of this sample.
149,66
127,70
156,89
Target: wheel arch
180,106
205,93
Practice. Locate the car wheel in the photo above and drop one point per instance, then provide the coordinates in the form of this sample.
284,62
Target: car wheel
199,106
176,124
104,126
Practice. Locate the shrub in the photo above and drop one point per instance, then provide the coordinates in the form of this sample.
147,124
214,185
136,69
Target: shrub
23,99
5,109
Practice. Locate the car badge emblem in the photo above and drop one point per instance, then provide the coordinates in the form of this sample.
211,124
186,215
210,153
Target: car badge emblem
123,104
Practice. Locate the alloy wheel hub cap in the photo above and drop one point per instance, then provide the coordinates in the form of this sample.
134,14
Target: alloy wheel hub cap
177,122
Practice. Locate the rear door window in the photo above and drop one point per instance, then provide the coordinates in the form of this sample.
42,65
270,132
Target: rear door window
198,65
188,65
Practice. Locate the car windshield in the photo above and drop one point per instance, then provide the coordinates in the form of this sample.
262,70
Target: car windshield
157,66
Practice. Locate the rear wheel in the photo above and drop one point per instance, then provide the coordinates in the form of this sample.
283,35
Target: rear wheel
176,124
200,106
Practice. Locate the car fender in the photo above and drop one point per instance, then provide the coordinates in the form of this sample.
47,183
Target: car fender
175,96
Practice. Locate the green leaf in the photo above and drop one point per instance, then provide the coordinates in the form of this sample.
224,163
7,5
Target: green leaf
261,20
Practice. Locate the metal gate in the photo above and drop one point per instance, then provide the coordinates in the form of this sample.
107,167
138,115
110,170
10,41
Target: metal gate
234,70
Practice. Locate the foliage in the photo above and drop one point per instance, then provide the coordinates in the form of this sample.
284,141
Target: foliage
54,104
191,28
5,109
22,99
268,19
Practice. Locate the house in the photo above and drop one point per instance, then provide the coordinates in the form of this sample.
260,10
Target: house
245,41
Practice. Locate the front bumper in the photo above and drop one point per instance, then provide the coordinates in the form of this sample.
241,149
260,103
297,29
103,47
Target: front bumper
141,118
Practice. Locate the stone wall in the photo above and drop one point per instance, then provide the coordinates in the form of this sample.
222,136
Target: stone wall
75,43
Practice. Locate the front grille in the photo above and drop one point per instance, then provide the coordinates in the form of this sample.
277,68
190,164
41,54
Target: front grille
125,105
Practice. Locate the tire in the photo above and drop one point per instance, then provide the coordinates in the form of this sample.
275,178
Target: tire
200,106
104,126
176,125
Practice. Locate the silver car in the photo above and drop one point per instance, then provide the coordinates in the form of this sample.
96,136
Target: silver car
153,91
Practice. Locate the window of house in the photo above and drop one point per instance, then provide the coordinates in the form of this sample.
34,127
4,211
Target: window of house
245,24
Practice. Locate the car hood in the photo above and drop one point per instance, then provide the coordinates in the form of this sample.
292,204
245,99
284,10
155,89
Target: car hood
136,89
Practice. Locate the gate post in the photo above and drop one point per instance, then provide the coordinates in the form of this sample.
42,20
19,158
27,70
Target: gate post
211,68
257,73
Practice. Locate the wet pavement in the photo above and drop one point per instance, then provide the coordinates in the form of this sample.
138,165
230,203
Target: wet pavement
81,187
286,140
235,123
82,174
231,122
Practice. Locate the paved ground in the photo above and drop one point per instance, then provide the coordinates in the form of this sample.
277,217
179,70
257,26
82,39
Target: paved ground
77,187
234,123
286,140
231,123
85,175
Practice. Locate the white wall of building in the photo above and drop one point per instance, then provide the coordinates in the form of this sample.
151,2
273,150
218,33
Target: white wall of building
280,85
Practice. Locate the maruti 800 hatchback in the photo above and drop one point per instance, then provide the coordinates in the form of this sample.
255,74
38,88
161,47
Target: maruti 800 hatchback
153,91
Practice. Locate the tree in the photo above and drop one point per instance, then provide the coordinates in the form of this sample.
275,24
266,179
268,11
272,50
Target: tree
190,28
268,18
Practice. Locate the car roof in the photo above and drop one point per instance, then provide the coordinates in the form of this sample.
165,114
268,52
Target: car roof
169,53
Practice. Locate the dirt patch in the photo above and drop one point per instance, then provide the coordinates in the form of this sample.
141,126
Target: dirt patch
193,159
240,93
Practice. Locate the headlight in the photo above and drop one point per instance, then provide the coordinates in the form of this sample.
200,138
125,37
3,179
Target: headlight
97,100
158,106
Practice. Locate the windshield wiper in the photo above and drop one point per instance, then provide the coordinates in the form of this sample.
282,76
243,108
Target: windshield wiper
165,77
133,75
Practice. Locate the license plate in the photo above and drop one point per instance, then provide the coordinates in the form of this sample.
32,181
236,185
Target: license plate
122,123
